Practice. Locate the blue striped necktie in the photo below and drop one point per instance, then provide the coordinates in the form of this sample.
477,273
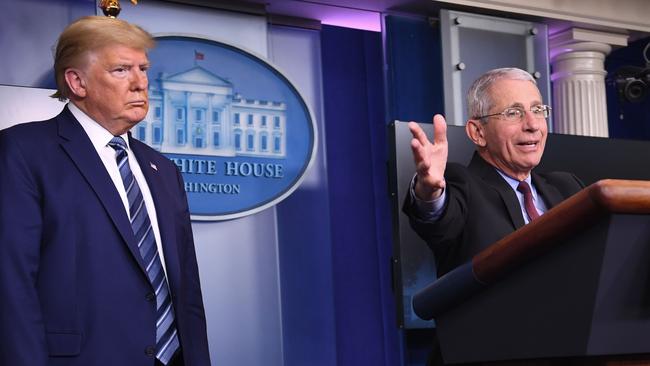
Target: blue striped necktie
166,337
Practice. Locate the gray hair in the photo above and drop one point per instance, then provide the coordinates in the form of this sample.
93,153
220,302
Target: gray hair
479,99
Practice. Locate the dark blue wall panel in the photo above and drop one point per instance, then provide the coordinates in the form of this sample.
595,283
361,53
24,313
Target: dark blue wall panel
414,93
414,57
359,210
305,256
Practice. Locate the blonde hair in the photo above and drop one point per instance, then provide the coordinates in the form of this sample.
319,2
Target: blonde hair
88,34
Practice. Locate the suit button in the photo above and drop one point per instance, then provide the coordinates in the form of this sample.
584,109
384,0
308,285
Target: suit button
150,351
150,296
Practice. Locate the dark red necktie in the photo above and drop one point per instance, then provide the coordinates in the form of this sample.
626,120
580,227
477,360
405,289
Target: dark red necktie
528,200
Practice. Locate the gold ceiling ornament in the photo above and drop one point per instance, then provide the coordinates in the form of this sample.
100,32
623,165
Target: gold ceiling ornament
112,8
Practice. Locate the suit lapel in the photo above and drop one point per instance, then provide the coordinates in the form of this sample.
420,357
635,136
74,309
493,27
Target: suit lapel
81,151
164,212
549,193
489,175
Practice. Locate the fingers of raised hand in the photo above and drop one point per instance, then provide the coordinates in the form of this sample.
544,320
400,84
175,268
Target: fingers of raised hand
439,129
418,133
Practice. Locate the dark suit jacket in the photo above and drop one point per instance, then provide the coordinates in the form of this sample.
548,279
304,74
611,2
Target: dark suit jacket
480,209
73,287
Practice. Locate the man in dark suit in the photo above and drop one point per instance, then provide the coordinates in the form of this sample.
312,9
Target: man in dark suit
97,261
459,211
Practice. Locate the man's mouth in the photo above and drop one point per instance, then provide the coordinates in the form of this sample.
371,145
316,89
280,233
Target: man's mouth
528,143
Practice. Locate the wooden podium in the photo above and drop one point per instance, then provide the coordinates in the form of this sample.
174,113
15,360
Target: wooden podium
573,287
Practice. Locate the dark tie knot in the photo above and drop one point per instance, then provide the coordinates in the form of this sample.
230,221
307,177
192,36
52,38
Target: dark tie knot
117,143
524,188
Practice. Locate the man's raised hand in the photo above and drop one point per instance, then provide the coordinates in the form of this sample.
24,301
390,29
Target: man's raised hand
430,158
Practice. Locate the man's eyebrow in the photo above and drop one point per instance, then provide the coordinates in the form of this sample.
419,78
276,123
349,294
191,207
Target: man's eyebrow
519,105
120,64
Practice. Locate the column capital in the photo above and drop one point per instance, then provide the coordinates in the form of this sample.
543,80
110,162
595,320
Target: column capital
580,50
572,36
578,60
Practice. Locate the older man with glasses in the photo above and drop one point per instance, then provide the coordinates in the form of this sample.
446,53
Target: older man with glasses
460,210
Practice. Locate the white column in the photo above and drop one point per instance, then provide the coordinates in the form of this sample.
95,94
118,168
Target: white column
189,122
209,123
578,64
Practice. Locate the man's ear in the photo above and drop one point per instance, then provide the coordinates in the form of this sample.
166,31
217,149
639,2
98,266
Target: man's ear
474,130
76,82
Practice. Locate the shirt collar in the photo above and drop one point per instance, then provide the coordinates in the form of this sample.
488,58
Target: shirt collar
99,136
514,183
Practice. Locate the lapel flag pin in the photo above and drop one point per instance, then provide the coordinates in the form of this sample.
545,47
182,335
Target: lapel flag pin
153,166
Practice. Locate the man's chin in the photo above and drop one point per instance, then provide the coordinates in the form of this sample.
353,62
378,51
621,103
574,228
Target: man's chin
136,118
527,166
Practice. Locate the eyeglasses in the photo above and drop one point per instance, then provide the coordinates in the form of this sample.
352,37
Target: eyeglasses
516,114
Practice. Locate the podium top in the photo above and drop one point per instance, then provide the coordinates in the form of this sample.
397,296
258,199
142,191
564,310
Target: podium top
569,217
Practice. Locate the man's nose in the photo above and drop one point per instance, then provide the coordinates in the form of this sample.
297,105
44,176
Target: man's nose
532,122
139,80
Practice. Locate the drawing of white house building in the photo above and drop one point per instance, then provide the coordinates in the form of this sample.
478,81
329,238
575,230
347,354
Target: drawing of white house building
197,112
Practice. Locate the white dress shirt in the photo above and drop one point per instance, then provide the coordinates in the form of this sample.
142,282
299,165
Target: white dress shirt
99,136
